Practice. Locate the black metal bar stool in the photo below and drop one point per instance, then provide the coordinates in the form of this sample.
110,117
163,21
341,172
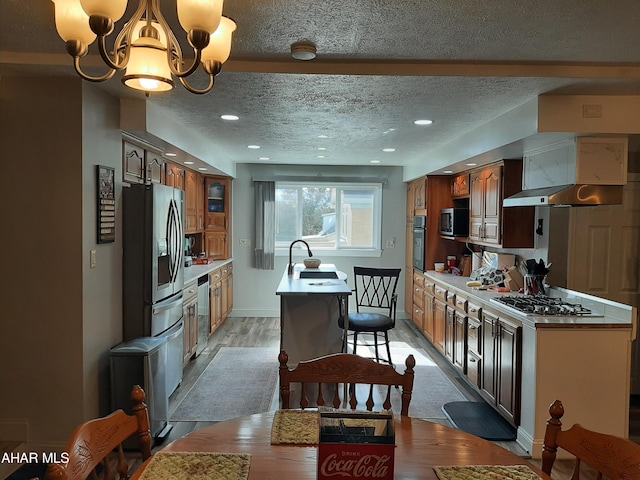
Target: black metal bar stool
376,299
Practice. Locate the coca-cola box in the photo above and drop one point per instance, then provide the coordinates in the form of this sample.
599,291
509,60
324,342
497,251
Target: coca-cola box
356,445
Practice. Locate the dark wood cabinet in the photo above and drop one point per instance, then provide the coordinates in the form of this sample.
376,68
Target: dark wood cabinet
429,310
140,165
460,186
489,222
190,317
439,318
501,365
194,202
449,333
174,175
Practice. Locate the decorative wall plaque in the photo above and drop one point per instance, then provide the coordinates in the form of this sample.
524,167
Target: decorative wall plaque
106,217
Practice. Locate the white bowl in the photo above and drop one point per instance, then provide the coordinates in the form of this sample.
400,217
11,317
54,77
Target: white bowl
311,262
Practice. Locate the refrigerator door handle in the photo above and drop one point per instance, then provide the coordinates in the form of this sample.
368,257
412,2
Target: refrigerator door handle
174,234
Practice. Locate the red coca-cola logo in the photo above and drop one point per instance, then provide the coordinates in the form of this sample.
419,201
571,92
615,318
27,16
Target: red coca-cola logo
367,466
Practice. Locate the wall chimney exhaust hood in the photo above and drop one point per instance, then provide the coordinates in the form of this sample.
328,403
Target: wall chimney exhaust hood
567,195
581,171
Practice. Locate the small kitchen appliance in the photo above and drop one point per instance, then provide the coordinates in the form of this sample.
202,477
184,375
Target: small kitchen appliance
454,222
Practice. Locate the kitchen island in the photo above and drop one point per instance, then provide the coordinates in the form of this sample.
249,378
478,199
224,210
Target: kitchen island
582,360
309,311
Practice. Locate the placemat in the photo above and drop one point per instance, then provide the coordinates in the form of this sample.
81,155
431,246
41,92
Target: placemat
197,465
295,427
486,472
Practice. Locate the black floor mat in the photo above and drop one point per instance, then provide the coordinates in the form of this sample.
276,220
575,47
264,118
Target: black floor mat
479,419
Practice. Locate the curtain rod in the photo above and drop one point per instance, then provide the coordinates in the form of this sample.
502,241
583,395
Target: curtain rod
318,178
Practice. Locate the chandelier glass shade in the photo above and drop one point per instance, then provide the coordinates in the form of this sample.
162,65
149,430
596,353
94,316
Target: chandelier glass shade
146,48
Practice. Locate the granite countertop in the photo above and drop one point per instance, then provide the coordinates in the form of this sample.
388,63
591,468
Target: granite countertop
610,314
194,272
294,285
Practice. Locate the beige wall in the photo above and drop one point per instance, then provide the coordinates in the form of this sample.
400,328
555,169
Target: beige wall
58,318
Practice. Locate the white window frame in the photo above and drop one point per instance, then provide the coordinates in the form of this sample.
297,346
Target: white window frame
341,251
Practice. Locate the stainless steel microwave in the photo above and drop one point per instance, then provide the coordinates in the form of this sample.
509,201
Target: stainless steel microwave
454,222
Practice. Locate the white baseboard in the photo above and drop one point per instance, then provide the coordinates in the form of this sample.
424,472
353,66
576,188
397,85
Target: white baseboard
14,430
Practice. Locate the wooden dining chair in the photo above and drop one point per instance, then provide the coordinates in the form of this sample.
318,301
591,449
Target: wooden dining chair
92,443
376,299
613,457
347,369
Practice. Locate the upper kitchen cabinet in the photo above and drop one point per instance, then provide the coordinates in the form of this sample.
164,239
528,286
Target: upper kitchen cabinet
420,196
194,202
217,201
489,222
460,186
140,165
174,175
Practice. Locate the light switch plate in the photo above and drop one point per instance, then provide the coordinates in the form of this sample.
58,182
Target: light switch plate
245,242
92,259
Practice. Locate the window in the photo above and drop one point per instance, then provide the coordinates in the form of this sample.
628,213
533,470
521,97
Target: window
338,217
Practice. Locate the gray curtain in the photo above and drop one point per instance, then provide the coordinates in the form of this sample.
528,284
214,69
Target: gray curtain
265,241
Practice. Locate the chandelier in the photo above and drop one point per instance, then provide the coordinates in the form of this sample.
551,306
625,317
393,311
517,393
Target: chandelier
146,48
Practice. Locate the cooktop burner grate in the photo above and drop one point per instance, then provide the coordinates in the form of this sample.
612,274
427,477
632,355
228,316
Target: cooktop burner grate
542,305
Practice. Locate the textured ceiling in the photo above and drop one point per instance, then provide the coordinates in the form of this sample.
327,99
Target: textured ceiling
381,64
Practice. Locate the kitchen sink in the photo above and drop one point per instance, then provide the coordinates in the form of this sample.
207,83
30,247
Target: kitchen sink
317,274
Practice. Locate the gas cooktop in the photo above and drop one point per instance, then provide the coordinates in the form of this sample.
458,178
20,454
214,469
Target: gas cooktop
543,306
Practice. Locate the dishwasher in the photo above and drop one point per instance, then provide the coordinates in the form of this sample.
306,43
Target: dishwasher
203,313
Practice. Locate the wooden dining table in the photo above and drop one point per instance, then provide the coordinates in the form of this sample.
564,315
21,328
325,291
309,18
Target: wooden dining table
420,446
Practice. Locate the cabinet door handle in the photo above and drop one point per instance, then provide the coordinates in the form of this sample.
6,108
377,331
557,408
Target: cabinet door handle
472,360
473,327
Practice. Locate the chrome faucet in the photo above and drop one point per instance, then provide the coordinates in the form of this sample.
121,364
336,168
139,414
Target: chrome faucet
290,267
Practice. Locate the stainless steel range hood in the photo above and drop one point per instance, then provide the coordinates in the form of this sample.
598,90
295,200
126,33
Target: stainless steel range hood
567,195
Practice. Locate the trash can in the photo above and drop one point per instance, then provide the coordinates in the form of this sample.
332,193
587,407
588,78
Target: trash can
142,362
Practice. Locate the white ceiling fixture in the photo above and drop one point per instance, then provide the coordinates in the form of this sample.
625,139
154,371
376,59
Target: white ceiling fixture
253,147
188,163
229,117
374,161
146,48
303,50
423,122
388,150
263,158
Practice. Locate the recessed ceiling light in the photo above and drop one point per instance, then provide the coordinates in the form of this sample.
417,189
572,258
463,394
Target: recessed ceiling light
388,150
321,156
229,117
188,163
447,171
471,164
253,147
423,122
263,158
321,148
374,161
202,168
168,154
323,136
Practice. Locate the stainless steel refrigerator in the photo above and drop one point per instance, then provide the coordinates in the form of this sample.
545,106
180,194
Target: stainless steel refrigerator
153,270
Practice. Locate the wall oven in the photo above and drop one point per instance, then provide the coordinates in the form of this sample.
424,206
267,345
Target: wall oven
419,239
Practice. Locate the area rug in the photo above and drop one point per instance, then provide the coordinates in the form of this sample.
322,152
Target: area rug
479,419
431,387
239,381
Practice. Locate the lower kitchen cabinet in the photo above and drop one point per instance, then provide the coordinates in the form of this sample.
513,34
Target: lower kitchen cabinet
439,323
501,365
221,295
429,310
418,300
460,341
190,317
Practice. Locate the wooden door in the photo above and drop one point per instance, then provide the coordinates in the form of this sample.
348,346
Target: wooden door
508,386
190,201
439,324
492,205
460,341
449,333
199,202
410,201
216,244
476,206
215,304
153,167
488,377
428,324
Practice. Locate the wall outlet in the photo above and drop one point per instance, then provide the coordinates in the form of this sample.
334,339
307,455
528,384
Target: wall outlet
245,242
391,244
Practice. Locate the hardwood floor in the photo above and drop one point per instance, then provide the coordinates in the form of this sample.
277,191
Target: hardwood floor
265,332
